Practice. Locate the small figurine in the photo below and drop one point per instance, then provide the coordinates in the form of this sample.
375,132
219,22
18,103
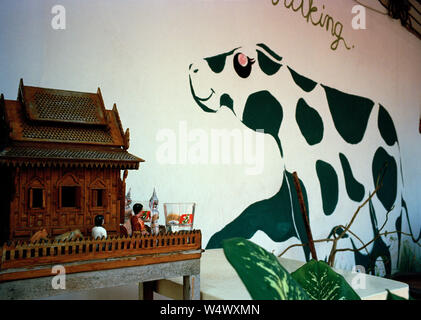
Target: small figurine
128,202
123,230
153,204
40,235
126,227
70,235
138,225
99,231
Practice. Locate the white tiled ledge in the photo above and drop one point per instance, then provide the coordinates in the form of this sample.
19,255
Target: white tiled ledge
219,281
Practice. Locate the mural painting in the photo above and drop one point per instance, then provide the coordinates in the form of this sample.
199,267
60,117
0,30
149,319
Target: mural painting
337,128
338,104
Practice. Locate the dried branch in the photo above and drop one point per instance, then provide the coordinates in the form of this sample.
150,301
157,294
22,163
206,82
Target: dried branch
375,238
379,184
365,245
304,215
303,245
358,210
352,233
347,228
332,255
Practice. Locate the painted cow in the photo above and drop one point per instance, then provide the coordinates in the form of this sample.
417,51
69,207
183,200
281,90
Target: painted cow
339,144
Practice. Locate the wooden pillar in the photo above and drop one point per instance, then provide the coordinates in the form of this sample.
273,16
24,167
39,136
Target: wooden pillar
146,290
122,207
191,287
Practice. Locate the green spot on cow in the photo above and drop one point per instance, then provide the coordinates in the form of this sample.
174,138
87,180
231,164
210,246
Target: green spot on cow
329,186
263,112
386,126
267,65
354,189
384,166
350,114
304,83
309,122
227,101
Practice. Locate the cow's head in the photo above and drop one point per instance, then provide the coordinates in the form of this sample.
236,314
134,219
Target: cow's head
236,79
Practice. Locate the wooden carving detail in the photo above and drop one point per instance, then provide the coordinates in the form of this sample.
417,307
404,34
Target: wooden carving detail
36,194
164,247
127,139
98,192
63,154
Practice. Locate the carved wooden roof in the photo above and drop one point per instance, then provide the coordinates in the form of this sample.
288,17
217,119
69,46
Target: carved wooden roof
63,106
66,156
50,126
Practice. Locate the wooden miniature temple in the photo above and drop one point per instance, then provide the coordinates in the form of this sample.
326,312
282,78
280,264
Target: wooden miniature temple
61,160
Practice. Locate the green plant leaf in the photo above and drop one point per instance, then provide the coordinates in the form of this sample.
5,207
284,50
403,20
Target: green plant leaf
322,283
262,274
391,296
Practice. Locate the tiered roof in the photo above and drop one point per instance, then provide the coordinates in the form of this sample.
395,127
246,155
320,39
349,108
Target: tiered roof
50,127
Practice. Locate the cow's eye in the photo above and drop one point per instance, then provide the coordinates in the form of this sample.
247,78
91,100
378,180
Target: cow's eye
242,65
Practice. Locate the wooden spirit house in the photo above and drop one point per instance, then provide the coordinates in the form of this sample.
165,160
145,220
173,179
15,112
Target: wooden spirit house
61,160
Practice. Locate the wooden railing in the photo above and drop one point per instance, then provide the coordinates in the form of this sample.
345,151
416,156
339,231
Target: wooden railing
26,254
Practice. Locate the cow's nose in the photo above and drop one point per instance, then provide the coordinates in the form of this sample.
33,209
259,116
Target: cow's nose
193,68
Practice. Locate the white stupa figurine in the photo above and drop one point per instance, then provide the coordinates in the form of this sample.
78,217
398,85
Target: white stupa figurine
128,200
153,205
99,231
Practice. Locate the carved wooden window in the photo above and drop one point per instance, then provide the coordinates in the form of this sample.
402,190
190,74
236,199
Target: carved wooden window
36,195
98,194
98,198
69,193
70,197
36,198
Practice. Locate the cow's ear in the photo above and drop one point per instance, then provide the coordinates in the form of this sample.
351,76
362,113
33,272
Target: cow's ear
267,65
269,51
217,63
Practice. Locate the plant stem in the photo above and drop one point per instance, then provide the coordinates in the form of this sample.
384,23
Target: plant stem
375,238
303,245
304,215
379,184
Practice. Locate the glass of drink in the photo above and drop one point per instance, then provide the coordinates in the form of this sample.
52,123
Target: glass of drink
179,216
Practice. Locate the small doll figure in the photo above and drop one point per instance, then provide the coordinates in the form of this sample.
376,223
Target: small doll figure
126,227
99,231
128,202
153,204
138,225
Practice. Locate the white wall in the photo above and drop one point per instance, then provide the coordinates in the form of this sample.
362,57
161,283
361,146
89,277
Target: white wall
138,53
